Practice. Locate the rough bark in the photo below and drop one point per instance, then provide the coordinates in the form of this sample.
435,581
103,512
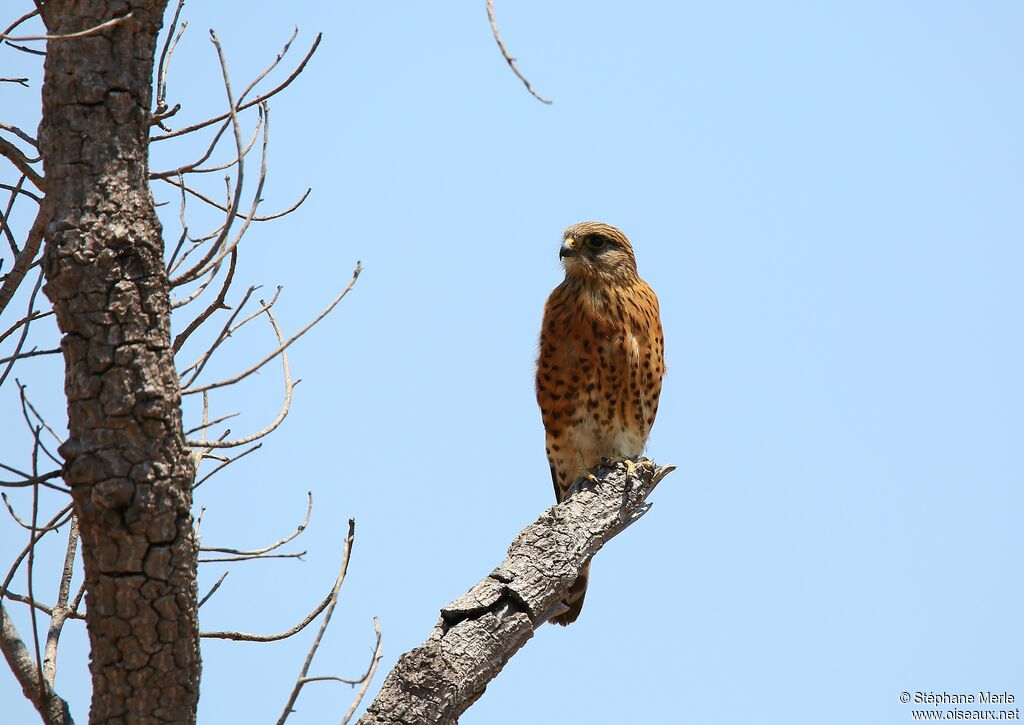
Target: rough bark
126,460
481,630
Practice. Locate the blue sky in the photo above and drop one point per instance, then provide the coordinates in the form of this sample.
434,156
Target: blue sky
826,198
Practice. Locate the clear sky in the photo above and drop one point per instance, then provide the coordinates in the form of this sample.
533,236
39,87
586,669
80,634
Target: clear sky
826,198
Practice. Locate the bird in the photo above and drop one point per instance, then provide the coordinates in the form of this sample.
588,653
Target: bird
599,368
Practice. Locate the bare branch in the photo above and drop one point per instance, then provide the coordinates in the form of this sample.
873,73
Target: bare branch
229,328
368,677
24,260
328,601
285,345
52,708
206,425
27,16
192,168
41,531
256,218
21,162
213,590
277,544
481,630
25,49
198,269
217,304
61,611
242,106
228,462
31,317
22,135
20,81
170,42
70,36
508,58
232,559
18,190
24,332
333,600
286,405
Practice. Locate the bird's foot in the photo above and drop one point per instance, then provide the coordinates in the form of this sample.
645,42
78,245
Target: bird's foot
632,465
585,478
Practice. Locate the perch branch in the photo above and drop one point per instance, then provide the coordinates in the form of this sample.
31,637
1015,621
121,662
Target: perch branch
481,630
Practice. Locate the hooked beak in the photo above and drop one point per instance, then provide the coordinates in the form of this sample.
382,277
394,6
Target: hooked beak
568,248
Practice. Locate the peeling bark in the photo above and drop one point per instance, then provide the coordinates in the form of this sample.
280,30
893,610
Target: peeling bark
126,460
481,630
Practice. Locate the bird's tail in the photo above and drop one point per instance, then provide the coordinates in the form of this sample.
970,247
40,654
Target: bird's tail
574,599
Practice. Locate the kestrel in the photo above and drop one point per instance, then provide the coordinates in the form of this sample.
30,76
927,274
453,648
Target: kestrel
600,366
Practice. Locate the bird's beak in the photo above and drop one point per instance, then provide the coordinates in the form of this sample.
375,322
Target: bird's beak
568,248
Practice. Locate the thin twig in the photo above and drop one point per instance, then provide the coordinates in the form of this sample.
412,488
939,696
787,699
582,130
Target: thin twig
24,261
228,462
165,59
331,602
199,269
22,135
259,99
70,36
27,16
217,304
213,589
284,346
24,332
286,405
508,58
277,544
21,162
331,597
61,612
378,652
31,571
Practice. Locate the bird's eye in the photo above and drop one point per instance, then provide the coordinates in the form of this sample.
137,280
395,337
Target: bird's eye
595,242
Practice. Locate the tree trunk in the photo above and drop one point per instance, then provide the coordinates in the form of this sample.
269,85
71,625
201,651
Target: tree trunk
125,457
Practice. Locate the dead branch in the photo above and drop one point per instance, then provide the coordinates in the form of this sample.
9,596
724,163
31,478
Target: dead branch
368,677
170,43
61,611
52,708
249,104
217,304
284,346
229,329
23,136
24,332
301,680
200,268
286,405
277,544
193,167
27,16
256,218
70,36
227,462
24,260
21,162
332,596
481,630
507,56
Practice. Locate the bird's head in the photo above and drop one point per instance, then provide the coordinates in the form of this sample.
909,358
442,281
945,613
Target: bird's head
597,252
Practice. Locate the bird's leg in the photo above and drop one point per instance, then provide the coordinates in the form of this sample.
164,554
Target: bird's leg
585,475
